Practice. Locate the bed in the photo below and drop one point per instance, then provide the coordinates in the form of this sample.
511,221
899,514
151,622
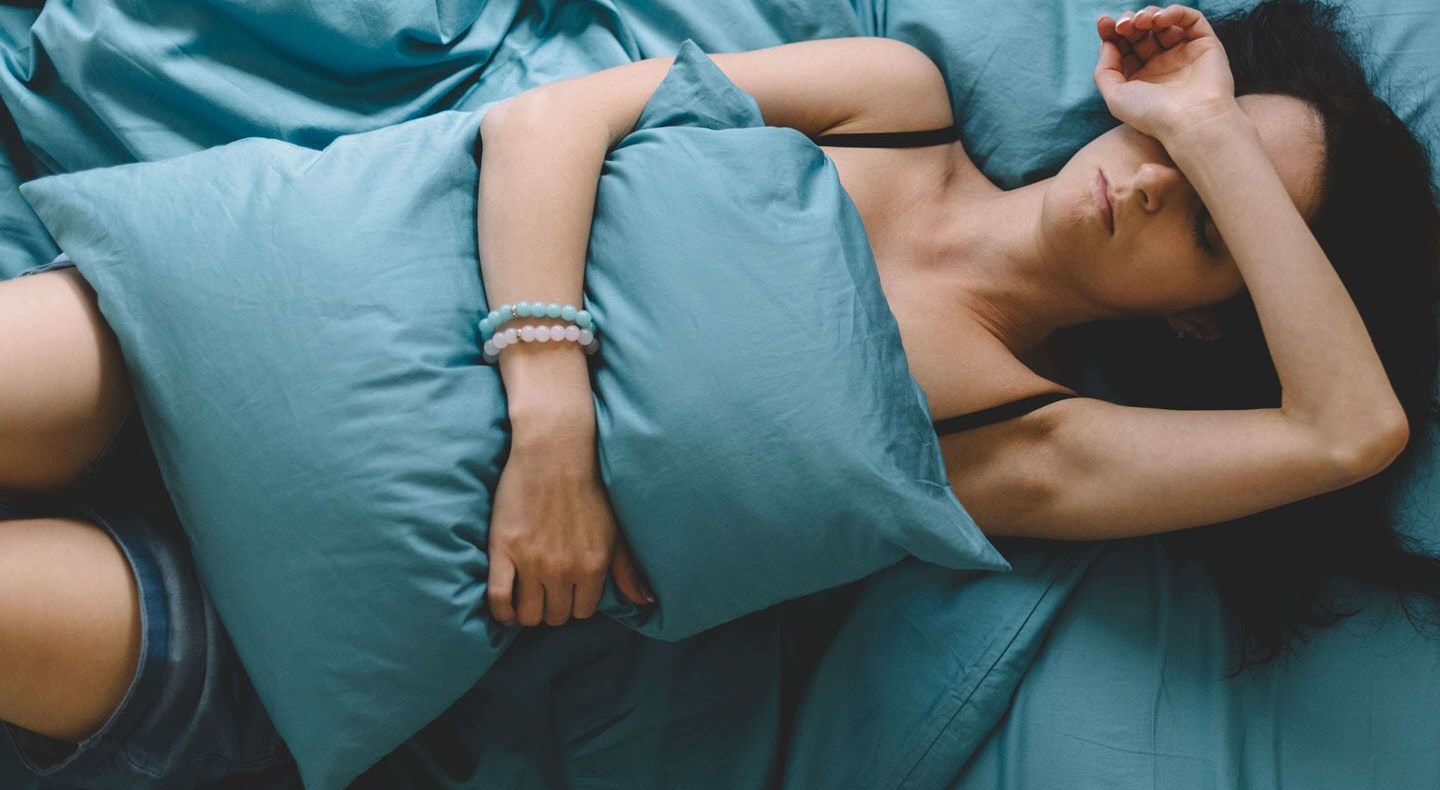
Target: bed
1087,665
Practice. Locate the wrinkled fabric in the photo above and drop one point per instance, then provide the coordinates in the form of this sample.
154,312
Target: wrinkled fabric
1129,692
1024,104
97,82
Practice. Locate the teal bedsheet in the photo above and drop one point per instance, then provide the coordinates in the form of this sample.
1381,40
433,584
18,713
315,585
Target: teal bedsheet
24,242
1088,666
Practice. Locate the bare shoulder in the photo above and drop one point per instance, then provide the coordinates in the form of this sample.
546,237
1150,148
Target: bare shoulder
909,92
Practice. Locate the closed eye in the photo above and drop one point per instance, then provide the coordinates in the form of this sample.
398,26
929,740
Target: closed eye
1201,239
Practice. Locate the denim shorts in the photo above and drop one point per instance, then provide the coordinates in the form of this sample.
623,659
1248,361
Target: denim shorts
191,718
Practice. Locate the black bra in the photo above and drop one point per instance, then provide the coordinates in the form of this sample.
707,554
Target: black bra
994,414
891,139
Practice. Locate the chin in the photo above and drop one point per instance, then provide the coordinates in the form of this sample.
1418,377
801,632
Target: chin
1076,225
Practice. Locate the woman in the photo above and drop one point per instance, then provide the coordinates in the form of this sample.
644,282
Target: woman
1193,209
985,283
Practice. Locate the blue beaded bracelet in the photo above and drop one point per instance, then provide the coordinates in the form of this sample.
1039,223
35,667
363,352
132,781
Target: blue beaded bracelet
492,322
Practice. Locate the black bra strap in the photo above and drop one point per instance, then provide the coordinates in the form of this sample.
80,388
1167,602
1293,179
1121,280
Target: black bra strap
891,139
999,413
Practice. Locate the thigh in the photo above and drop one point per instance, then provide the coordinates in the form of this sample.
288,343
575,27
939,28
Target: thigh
69,623
63,387
187,716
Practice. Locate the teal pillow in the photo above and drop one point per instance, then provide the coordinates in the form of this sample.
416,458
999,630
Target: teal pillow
300,329
760,433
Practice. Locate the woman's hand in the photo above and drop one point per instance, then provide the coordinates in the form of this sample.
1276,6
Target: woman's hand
1163,70
552,538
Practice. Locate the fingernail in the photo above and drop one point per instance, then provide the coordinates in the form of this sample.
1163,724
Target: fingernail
649,598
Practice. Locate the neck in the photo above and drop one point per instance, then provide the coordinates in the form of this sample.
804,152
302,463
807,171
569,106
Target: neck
983,248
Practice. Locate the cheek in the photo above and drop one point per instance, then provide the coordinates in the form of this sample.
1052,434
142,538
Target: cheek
1225,282
1149,276
1068,218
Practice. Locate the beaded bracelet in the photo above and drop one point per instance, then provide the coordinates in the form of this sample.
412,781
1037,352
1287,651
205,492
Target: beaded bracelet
496,340
540,334
490,323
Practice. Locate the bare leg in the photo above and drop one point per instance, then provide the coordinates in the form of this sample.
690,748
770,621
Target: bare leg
69,608
63,388
69,626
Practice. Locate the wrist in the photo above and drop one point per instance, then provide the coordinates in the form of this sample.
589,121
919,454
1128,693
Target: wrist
1207,133
547,392
566,430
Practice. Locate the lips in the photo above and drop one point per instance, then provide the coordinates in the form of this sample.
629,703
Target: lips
1101,192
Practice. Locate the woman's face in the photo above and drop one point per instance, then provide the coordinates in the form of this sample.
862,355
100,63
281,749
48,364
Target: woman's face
1153,264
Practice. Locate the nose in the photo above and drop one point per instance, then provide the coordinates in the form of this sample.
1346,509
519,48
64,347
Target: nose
1157,183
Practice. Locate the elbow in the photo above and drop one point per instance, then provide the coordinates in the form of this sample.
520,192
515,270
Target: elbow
1380,448
494,118
539,104
544,110
505,112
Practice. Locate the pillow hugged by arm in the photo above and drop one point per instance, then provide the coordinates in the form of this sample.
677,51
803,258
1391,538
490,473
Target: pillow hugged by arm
552,530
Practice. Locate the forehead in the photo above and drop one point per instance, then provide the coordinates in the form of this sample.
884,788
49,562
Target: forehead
1293,134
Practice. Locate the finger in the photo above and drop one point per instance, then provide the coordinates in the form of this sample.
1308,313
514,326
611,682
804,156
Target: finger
1124,45
1130,64
559,596
500,589
530,607
1108,65
1108,71
1146,48
1188,19
1170,36
587,595
1105,26
1125,26
1145,18
627,578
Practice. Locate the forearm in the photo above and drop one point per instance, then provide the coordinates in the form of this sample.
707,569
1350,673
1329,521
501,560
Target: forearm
536,200
1331,377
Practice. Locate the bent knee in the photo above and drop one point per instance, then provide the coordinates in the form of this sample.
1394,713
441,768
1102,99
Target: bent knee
63,386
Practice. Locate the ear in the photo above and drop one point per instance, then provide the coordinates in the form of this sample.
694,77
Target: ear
1196,324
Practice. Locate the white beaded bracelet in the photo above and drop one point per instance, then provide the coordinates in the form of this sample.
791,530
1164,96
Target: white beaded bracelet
539,334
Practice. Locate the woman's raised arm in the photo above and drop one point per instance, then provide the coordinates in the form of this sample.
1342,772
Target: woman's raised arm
1084,468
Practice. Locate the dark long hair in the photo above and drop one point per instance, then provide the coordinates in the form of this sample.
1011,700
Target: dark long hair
1379,225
